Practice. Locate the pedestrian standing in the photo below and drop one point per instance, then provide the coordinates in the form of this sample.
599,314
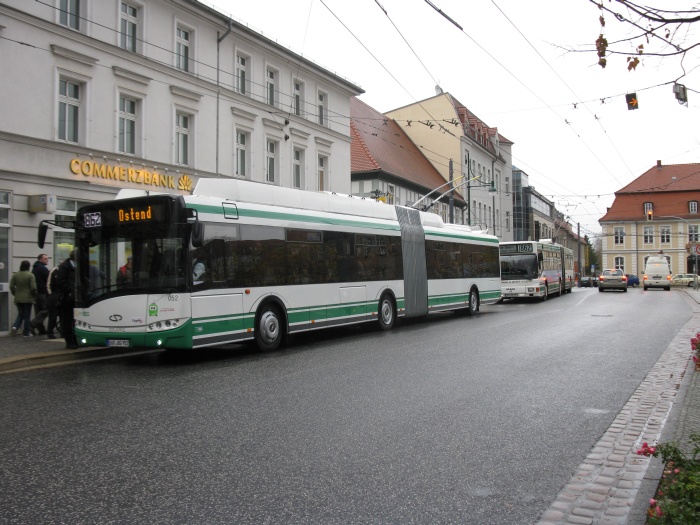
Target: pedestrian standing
41,307
23,287
66,288
53,306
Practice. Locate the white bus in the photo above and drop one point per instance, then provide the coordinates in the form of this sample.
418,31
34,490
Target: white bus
535,269
240,261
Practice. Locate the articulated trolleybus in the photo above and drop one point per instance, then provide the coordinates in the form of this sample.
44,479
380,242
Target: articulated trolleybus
240,260
535,269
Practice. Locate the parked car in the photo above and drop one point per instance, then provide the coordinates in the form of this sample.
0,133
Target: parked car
632,280
684,279
612,280
585,282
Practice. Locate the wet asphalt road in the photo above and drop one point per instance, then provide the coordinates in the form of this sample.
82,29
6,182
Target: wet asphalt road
476,420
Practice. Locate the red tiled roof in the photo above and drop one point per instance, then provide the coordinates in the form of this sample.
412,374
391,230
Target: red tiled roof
668,188
474,122
379,144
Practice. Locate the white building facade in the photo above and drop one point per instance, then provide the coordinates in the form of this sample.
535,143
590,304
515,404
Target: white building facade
100,95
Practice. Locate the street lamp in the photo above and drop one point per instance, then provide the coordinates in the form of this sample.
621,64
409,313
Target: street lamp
695,251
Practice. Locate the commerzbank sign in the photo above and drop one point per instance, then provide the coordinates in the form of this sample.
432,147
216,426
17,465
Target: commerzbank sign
151,179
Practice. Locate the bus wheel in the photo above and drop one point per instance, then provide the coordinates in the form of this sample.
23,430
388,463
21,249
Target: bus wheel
268,329
387,312
473,302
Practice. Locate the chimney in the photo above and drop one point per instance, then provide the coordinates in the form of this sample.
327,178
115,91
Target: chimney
658,163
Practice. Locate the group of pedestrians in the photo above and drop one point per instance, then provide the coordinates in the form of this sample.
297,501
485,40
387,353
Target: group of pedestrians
51,293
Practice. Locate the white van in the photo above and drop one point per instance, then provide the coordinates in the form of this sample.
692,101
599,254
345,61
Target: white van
657,274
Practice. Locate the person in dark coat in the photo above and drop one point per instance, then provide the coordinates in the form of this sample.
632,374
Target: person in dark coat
66,288
41,307
23,287
54,294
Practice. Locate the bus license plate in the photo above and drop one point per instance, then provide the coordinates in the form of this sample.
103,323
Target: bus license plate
123,343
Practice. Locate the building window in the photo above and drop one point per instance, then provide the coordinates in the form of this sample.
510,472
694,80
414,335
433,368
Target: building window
69,14
620,263
68,110
64,234
693,207
619,235
508,221
242,140
242,74
270,87
322,108
183,127
322,163
390,191
648,207
648,235
127,125
665,234
183,40
298,98
298,168
128,27
271,161
507,188
693,233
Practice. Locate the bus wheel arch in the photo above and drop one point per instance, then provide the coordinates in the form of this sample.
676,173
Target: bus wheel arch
546,292
387,311
270,325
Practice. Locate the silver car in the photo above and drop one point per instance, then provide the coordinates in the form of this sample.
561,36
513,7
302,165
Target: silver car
612,280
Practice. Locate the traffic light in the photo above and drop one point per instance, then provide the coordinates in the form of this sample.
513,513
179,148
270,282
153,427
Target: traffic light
632,102
650,215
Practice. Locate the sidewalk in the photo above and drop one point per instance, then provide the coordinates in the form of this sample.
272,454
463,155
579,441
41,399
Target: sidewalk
18,353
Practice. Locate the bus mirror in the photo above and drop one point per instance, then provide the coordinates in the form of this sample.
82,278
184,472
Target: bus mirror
41,239
197,234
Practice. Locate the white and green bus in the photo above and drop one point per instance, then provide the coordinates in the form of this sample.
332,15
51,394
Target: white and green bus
536,269
239,260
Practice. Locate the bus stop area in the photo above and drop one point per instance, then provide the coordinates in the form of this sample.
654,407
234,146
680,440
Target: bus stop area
19,353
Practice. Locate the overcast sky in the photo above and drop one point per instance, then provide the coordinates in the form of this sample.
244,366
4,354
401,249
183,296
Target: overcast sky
510,66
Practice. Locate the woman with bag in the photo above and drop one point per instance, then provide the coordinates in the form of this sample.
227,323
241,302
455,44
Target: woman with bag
23,287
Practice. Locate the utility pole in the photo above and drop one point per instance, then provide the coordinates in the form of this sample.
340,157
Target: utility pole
452,199
578,233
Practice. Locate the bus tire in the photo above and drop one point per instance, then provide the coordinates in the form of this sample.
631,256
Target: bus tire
387,312
473,302
269,327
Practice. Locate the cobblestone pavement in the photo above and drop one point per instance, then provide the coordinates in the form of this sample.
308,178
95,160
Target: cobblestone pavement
612,486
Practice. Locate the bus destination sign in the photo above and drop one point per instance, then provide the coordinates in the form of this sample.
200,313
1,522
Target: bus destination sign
516,248
134,214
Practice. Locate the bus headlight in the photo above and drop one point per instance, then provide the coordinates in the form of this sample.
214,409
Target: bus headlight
168,324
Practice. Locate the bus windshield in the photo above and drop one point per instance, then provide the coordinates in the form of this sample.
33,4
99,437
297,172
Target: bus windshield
126,250
519,266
